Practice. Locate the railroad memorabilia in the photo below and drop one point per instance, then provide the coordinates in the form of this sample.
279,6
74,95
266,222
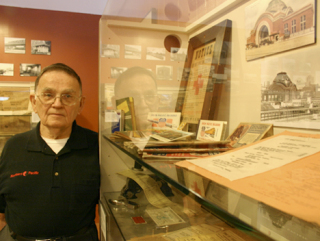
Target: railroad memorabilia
207,57
278,26
211,130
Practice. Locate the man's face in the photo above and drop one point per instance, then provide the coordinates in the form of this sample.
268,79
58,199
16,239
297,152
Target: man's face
57,116
144,92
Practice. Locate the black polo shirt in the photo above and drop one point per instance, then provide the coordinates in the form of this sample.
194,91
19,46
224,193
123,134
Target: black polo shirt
45,194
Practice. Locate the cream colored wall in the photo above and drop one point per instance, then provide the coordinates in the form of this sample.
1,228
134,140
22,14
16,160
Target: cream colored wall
242,103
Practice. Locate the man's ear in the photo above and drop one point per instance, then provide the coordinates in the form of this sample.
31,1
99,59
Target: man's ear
82,101
33,102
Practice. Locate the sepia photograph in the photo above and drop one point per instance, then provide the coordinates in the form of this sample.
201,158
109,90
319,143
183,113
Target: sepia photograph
290,90
178,54
30,69
117,71
164,72
15,45
41,47
156,53
278,25
110,51
6,69
132,51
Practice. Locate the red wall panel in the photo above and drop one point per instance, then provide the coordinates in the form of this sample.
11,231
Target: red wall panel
74,41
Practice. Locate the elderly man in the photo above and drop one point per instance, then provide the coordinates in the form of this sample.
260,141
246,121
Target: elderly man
139,83
50,176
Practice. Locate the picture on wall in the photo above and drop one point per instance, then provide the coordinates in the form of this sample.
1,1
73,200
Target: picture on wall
164,72
290,90
278,25
156,53
132,51
178,54
117,71
41,47
110,51
6,69
30,69
15,45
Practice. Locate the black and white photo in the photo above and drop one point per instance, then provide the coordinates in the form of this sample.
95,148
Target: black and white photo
290,90
132,51
30,69
14,45
156,53
164,72
117,71
110,51
6,69
41,47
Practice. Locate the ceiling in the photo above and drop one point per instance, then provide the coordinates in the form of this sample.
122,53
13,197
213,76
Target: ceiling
79,6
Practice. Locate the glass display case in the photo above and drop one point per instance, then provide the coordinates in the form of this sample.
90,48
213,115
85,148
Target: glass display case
195,58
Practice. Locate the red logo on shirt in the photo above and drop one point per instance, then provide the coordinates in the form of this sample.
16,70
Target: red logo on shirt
24,174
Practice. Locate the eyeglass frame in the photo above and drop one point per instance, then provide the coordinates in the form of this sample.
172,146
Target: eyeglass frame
54,99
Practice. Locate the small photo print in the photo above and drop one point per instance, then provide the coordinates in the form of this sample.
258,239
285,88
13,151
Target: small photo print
110,51
156,54
15,45
132,51
178,54
6,69
117,71
164,72
30,69
41,47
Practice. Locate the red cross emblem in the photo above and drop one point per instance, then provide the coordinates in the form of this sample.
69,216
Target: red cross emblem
198,84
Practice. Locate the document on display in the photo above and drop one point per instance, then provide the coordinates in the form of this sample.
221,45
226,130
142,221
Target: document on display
261,157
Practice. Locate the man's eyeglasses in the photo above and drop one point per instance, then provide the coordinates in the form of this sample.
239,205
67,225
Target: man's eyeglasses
149,99
66,99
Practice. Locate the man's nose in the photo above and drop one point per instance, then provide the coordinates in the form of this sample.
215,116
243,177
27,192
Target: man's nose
57,102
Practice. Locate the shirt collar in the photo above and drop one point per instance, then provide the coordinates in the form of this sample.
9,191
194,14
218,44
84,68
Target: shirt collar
77,140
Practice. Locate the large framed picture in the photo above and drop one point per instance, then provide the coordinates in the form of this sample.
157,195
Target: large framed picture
277,26
207,58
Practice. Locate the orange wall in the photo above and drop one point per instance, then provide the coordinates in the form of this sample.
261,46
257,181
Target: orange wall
74,41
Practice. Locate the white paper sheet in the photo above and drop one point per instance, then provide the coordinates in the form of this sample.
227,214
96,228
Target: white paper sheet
259,158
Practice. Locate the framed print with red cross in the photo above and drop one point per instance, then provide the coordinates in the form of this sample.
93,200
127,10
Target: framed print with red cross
205,64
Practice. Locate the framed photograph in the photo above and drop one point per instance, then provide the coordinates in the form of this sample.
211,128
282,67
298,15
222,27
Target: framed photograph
6,69
273,27
164,72
207,58
15,45
290,92
30,69
41,47
110,51
132,51
156,53
117,71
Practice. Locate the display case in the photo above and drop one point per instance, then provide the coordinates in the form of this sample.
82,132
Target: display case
193,57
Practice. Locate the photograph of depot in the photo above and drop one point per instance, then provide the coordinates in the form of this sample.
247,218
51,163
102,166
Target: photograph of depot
278,25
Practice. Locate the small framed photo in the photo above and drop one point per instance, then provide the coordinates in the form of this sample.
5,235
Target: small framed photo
15,45
41,47
30,69
6,69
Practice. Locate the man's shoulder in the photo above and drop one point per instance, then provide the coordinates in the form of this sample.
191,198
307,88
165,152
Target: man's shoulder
20,137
